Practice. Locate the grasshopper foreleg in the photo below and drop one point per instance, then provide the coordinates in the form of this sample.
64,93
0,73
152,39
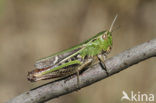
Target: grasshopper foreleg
102,62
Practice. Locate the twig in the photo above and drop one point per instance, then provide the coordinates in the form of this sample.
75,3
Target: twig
92,75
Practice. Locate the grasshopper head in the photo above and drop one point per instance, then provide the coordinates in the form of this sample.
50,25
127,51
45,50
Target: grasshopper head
107,37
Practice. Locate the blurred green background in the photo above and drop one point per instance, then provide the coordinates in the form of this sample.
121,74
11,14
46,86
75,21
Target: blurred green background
32,29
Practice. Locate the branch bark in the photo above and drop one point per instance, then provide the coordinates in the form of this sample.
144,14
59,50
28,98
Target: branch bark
64,86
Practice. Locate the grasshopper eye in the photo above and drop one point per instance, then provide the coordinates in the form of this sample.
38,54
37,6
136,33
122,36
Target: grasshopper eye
104,36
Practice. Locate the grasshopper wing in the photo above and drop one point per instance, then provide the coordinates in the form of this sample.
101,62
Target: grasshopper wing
56,58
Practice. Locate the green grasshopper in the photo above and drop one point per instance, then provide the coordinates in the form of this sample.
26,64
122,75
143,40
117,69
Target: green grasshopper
75,59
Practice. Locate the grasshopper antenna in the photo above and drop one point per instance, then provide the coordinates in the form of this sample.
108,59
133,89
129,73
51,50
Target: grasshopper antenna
113,23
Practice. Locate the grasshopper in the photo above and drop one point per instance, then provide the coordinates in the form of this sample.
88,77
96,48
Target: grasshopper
75,59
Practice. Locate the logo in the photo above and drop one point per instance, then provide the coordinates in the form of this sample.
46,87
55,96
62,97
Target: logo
140,97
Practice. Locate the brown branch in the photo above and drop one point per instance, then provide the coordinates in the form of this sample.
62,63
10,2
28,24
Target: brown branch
90,76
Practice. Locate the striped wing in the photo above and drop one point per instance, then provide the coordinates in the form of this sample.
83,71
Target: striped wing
55,59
